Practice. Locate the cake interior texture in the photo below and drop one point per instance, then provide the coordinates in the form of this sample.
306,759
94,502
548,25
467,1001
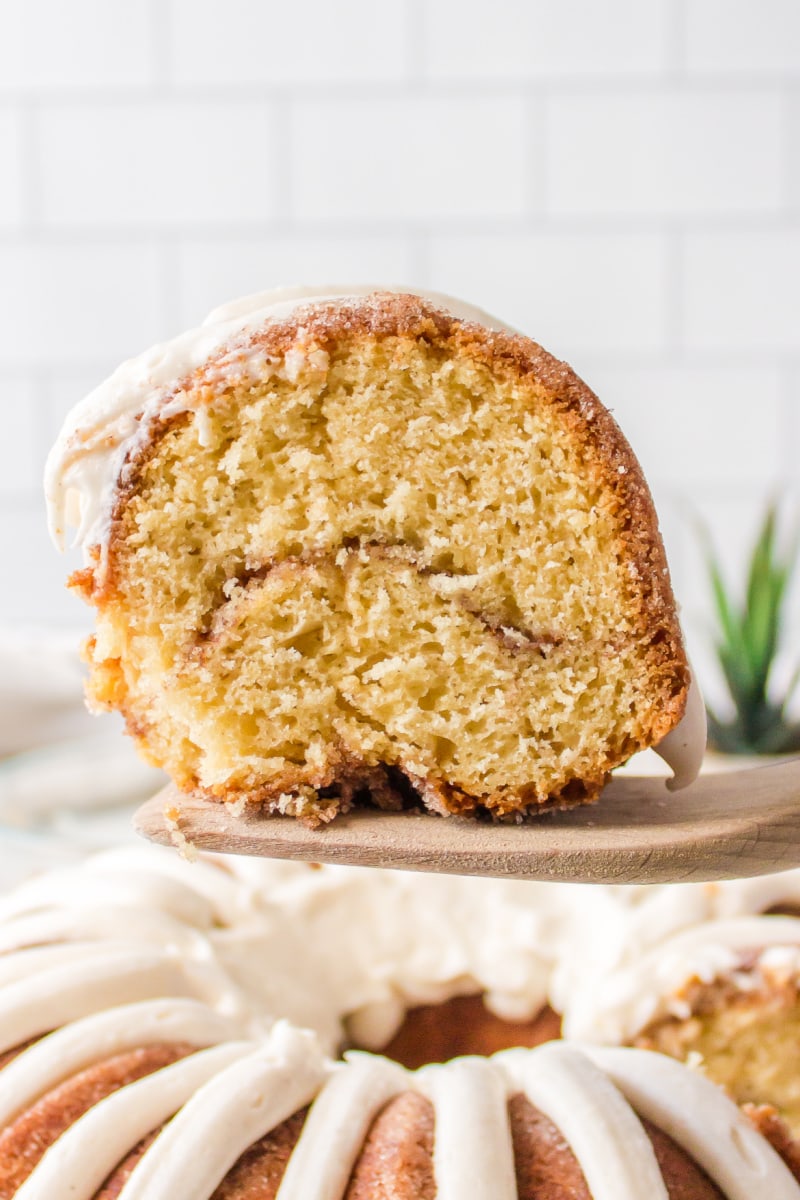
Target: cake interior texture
394,563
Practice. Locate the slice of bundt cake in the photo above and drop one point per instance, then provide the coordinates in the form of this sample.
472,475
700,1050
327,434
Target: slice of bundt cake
363,549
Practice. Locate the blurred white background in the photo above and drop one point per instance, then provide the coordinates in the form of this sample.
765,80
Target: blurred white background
620,179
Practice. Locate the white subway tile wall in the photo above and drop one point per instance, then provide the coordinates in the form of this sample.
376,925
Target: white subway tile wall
665,153
545,39
742,292
409,158
241,43
21,441
48,47
64,302
621,180
575,292
141,164
755,37
11,198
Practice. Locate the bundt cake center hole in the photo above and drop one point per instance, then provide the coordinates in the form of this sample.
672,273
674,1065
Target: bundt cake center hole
462,1025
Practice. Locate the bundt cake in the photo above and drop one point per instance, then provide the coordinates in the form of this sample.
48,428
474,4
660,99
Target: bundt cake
371,548
119,1108
140,1058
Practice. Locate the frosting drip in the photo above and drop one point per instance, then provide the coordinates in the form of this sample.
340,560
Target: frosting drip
684,746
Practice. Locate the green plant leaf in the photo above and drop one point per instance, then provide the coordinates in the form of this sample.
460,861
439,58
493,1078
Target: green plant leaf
748,643
762,555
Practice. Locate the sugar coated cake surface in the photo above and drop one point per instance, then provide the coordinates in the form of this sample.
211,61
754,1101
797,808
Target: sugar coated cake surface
368,549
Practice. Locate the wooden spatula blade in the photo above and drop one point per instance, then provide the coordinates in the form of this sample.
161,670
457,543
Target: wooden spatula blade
726,826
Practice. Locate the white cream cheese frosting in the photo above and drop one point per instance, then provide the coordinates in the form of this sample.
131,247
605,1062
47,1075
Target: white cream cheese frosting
624,1002
629,953
226,933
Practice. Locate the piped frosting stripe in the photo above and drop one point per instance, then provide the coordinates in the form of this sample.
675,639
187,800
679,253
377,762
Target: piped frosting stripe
603,1131
91,888
78,1045
22,966
76,988
244,1101
335,1129
111,922
473,1154
700,1118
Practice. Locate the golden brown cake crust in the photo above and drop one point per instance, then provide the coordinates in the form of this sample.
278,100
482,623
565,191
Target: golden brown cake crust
548,1170
396,1160
258,1173
511,356
116,1181
685,1180
255,1176
765,1119
25,1140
